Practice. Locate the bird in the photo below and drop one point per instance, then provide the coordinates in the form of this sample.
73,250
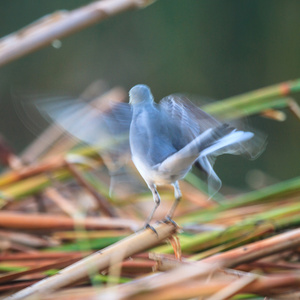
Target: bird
167,138
164,139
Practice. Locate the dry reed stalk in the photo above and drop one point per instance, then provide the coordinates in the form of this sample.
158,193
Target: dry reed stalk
60,263
96,234
195,195
51,164
62,202
274,114
281,242
233,288
100,260
53,222
265,285
38,256
278,266
27,239
60,24
288,296
19,248
219,288
44,143
185,273
294,108
16,286
148,265
104,205
155,282
18,266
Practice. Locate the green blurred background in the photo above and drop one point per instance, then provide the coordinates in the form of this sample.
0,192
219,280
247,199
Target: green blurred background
213,48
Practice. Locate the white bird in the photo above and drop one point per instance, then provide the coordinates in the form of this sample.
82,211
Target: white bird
164,139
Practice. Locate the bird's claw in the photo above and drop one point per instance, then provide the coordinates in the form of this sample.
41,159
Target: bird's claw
151,228
168,219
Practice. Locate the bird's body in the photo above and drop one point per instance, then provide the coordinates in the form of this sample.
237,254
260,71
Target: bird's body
151,144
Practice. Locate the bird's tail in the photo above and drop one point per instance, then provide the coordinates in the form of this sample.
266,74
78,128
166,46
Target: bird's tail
211,143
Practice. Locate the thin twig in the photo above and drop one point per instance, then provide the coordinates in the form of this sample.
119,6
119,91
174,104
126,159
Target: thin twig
62,202
104,205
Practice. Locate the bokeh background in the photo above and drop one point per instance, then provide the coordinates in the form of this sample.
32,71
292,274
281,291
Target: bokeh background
212,48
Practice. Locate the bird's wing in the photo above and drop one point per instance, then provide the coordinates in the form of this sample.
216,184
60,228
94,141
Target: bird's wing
191,119
88,123
107,129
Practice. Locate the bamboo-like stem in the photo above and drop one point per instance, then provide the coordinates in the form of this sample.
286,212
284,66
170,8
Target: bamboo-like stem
185,273
60,24
27,239
257,250
251,227
100,260
249,283
274,95
32,179
51,222
38,256
49,165
60,263
282,189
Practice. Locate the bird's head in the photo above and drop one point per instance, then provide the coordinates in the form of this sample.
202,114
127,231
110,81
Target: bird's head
140,93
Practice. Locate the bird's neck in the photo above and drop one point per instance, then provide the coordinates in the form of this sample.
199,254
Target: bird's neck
144,105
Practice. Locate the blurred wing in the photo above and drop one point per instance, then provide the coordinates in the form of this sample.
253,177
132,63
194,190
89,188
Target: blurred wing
107,129
191,119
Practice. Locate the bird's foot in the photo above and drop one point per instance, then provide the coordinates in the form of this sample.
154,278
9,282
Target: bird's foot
168,219
147,225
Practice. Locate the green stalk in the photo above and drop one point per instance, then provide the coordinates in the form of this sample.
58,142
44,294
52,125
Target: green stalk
270,193
265,95
281,217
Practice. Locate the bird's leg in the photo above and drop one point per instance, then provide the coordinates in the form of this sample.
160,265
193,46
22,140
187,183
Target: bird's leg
178,197
156,199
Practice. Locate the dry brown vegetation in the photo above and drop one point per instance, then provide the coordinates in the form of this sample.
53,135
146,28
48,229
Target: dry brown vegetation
63,237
